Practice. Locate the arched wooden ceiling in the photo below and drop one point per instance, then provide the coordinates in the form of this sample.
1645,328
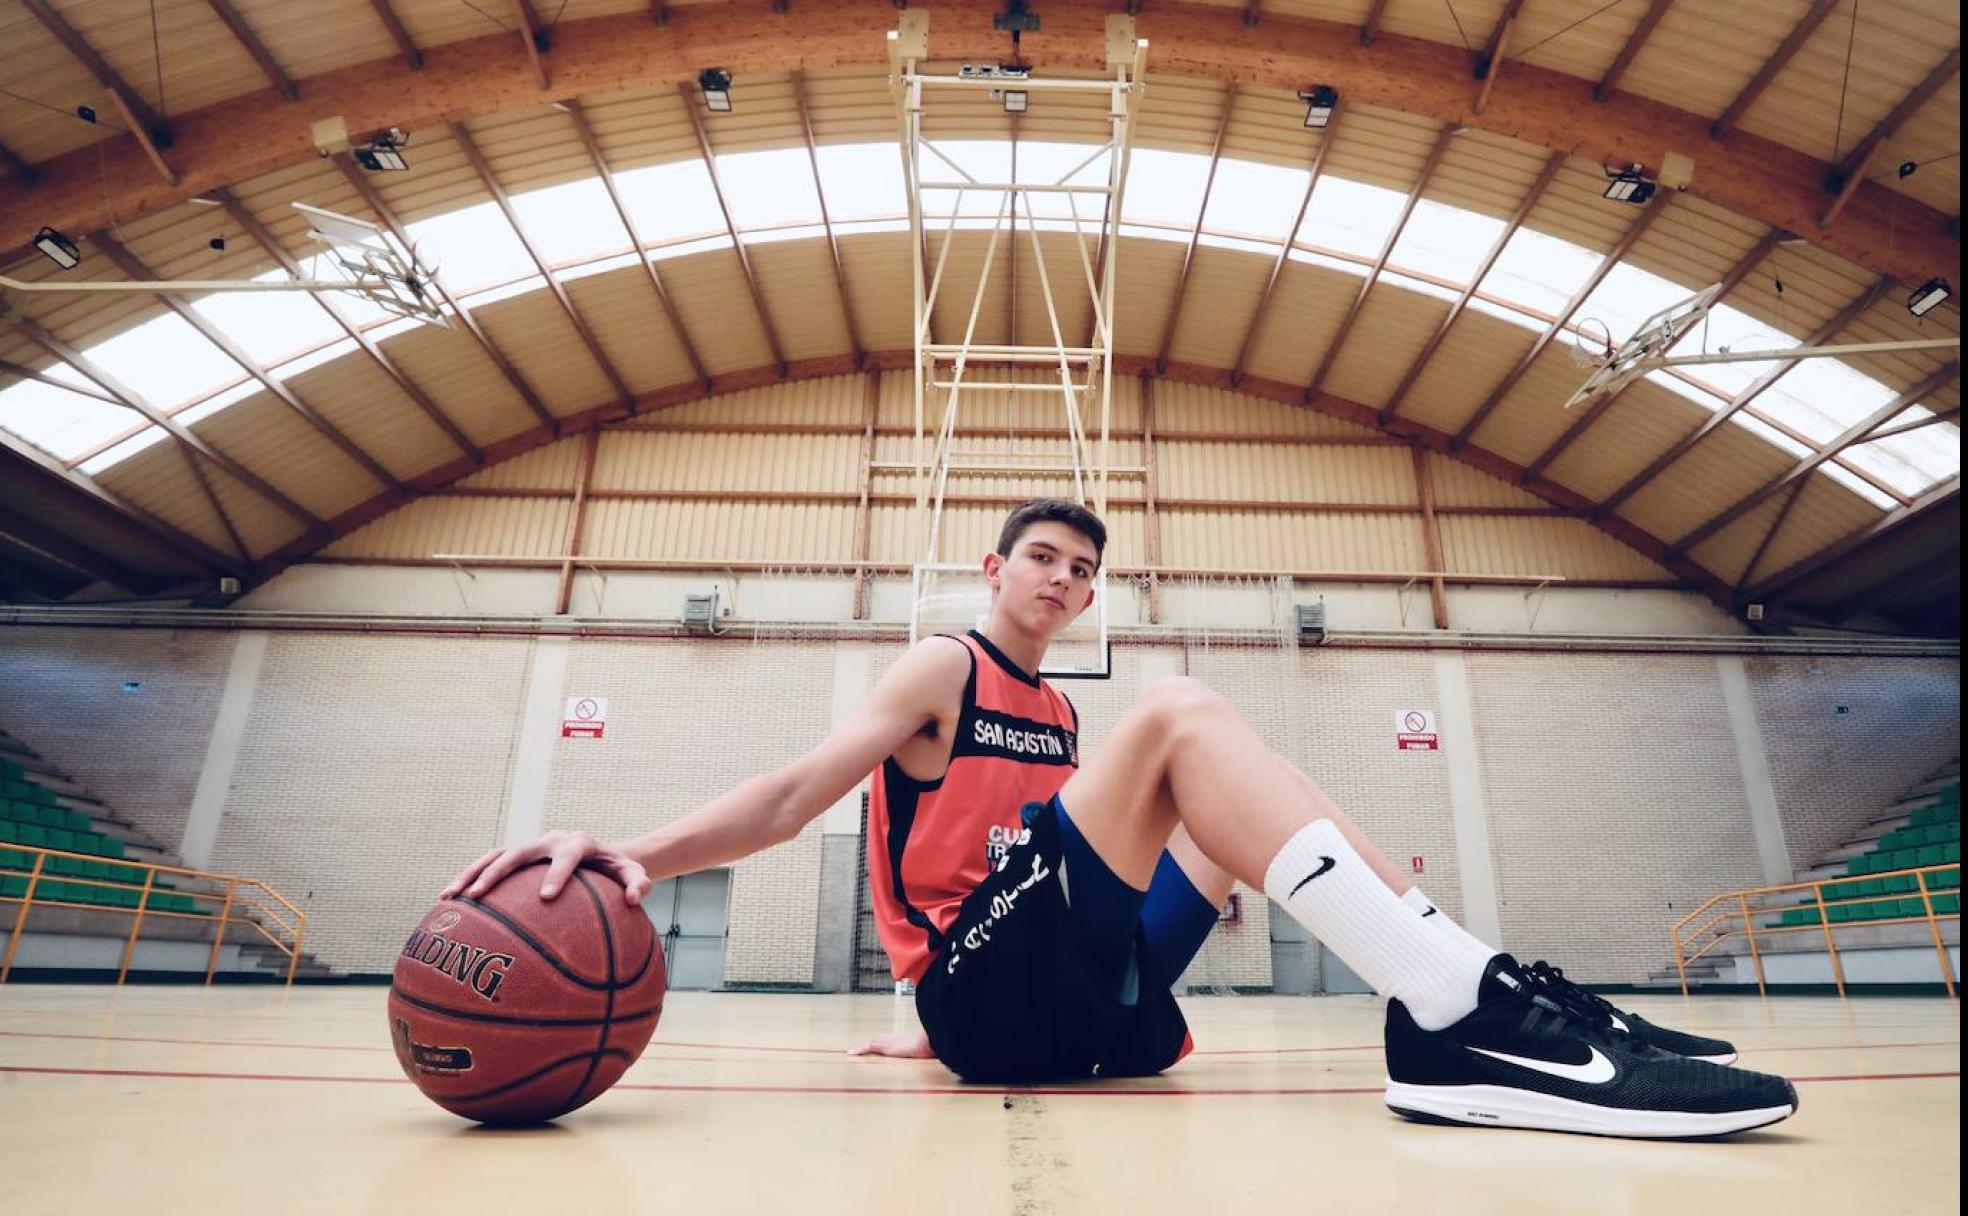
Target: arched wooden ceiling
1405,82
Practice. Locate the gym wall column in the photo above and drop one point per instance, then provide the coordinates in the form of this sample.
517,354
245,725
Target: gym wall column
1765,825
526,784
840,839
208,801
1468,812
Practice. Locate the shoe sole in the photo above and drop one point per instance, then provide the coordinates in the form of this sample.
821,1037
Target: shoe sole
1729,1058
1500,1106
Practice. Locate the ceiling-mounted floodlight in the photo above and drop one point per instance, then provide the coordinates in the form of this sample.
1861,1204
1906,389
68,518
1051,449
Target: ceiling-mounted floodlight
58,249
1320,102
1927,297
384,153
1629,185
1016,101
716,84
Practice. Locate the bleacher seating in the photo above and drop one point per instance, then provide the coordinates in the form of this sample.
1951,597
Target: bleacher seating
1931,837
32,814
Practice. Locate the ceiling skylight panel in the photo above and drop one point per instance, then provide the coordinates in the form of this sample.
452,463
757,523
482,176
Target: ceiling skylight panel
1445,241
1914,461
769,188
1164,186
1821,397
670,201
1049,163
1540,272
571,221
269,326
1726,328
861,180
1351,217
471,247
150,436
165,360
1250,199
58,421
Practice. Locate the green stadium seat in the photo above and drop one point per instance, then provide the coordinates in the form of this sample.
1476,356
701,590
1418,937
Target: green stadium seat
12,887
1932,855
14,859
112,847
1840,914
1871,886
1949,905
1858,865
1802,916
29,834
1951,853
1943,880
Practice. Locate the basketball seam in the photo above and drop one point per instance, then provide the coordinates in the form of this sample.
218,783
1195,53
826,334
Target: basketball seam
536,1074
513,1020
539,947
608,1009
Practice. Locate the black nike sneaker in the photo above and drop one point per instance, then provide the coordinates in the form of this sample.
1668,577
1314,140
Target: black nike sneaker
1593,1007
1524,1060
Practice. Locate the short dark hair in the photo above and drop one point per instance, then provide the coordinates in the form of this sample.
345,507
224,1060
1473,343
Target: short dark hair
1053,510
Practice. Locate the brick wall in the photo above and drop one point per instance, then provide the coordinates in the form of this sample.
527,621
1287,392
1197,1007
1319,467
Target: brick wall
61,693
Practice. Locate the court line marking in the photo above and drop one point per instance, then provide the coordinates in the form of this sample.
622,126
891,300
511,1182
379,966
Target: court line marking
1083,1091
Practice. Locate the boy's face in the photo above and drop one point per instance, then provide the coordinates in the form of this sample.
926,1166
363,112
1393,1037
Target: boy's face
1048,579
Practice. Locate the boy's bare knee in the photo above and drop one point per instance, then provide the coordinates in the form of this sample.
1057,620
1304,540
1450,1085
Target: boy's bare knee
1182,698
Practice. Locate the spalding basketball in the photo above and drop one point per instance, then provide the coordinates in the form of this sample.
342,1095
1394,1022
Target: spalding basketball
513,1009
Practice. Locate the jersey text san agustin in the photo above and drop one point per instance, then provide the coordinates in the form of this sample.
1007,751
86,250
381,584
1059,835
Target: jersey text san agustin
931,842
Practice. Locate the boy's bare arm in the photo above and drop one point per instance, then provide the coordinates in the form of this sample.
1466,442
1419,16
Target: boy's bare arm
759,812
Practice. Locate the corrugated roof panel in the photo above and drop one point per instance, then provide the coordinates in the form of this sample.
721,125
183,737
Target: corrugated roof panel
1700,56
1574,208
1144,283
801,294
551,467
1727,553
535,334
1826,513
709,292
1479,351
1223,289
622,310
309,39
878,273
356,398
1458,485
1392,327
283,450
1704,482
451,370
1516,545
1531,415
1487,173
1646,422
1305,310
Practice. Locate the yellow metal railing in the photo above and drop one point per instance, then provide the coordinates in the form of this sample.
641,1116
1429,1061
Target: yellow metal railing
1732,914
245,901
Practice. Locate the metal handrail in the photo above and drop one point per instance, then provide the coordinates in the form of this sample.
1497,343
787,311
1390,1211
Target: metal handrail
1721,927
241,904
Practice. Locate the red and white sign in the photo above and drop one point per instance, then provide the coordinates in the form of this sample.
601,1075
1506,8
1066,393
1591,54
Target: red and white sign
1414,731
585,718
1415,863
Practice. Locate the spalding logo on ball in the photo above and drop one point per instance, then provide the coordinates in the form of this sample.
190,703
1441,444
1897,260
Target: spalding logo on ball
513,1009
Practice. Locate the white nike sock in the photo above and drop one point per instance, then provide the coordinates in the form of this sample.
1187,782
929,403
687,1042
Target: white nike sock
1334,893
1440,922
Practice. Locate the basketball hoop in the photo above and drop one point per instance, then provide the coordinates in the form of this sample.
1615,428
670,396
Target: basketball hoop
1592,344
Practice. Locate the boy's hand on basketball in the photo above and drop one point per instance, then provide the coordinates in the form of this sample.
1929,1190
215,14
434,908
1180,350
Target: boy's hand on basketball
564,851
912,1046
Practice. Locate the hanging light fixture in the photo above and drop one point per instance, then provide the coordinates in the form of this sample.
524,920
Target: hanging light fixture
1320,102
1927,297
716,84
58,249
1629,185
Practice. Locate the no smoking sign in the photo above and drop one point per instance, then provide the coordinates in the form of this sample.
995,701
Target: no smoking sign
584,718
1414,731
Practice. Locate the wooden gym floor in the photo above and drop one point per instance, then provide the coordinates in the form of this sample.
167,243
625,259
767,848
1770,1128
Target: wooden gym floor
259,1100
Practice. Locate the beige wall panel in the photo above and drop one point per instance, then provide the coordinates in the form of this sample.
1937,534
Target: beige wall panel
1224,288
1569,548
1825,513
490,527
307,39
1868,71
276,445
850,106
1458,485
996,408
1692,243
1393,326
1487,173
1068,276
157,481
1006,492
1381,147
203,62
957,292
876,266
39,66
462,381
1192,408
736,531
829,401
1376,476
901,533
1237,541
1574,208
1304,312
1647,421
1479,351
1728,552
359,399
621,309
1183,113
1712,475
552,467
639,127
263,527
536,335
1532,415
709,292
1269,127
1144,278
1889,321
802,297
734,463
1700,56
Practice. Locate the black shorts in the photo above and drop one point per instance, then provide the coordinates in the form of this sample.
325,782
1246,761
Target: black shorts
1009,999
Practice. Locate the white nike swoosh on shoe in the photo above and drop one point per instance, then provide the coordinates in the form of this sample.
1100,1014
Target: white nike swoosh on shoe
1596,1071
1619,1025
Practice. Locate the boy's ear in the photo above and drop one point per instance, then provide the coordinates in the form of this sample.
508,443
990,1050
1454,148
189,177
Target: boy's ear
992,564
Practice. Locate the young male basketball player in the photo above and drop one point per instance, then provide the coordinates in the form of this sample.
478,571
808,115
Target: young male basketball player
1044,902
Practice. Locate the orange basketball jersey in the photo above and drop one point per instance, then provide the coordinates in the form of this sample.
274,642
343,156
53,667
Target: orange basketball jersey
931,842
